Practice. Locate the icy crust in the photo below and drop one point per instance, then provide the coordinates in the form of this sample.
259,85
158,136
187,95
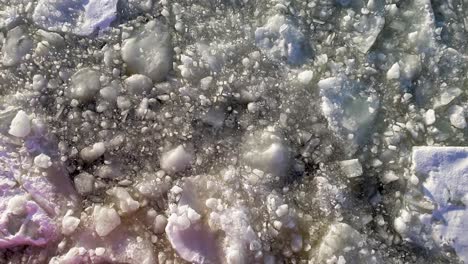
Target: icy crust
441,180
79,17
349,107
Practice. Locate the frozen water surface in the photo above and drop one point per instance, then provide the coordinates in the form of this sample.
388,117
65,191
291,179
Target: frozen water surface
233,131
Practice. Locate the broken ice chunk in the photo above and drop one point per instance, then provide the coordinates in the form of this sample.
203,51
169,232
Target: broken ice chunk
91,153
8,16
20,125
394,72
84,85
69,224
42,161
351,168
280,38
343,240
149,52
16,46
349,108
98,14
126,202
105,220
191,239
305,77
80,17
138,84
447,95
429,117
442,172
457,116
84,183
176,160
267,152
366,31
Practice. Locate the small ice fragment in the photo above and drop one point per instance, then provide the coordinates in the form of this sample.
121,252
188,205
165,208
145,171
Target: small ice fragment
305,77
282,210
159,224
352,168
149,52
85,85
84,183
429,117
42,161
69,224
100,251
105,220
93,152
20,125
17,205
192,215
394,72
138,84
176,160
126,202
457,117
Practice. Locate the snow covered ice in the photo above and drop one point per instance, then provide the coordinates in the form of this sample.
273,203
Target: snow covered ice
233,131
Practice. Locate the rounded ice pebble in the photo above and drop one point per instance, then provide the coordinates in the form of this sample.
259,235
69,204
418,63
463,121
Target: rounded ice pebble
149,52
84,85
42,161
138,84
20,125
176,160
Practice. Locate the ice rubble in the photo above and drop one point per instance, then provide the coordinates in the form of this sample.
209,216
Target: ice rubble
440,215
79,17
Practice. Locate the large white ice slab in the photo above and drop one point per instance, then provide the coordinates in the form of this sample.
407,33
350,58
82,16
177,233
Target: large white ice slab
80,17
443,173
